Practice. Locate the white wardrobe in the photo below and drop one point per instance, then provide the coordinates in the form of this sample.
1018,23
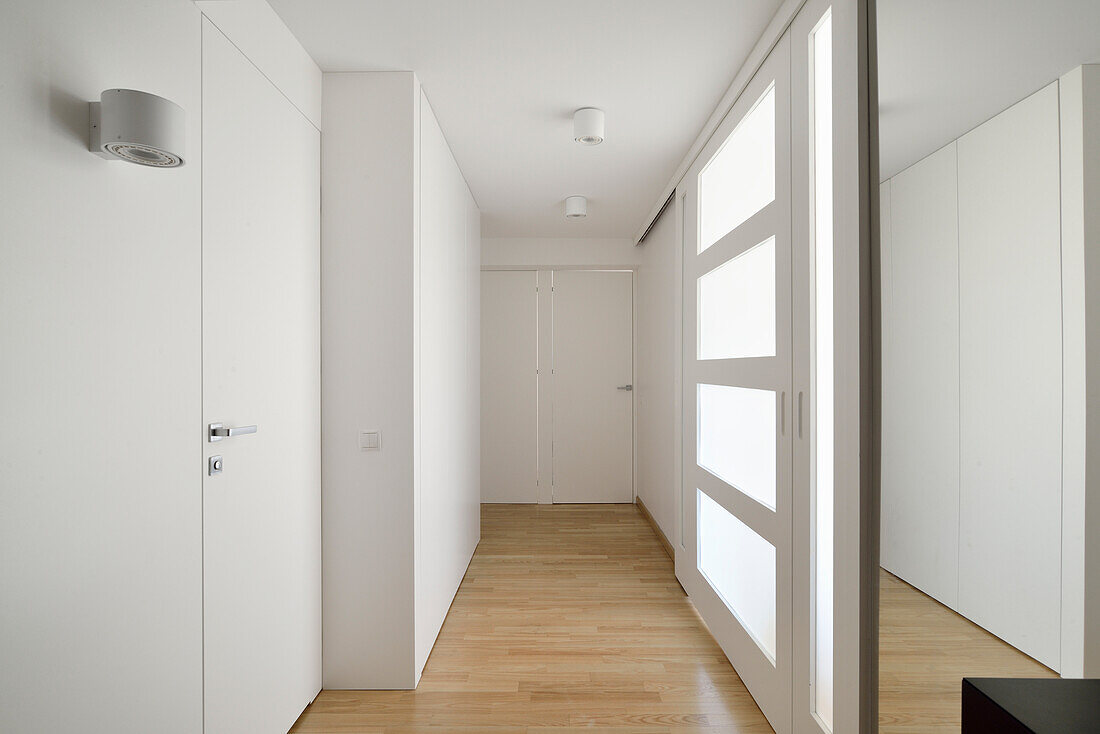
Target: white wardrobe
973,361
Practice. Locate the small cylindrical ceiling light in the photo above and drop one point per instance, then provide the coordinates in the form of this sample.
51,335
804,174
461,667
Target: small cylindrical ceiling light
576,207
588,126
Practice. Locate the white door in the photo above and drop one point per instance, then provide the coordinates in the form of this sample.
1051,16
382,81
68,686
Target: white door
780,531
261,367
509,386
737,388
593,411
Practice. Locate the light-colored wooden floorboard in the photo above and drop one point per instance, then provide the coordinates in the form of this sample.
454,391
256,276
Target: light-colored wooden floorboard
925,650
570,619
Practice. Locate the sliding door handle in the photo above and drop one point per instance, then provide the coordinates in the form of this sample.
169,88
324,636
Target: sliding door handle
782,413
219,431
800,414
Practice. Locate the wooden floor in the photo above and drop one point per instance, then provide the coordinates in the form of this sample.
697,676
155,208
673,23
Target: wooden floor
570,619
925,650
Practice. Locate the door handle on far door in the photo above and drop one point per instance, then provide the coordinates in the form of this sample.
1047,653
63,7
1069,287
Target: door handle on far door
628,388
219,431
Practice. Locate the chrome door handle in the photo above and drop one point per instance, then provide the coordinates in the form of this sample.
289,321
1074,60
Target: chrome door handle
628,388
219,431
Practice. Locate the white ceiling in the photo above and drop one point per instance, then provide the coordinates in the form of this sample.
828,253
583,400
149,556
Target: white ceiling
946,66
504,77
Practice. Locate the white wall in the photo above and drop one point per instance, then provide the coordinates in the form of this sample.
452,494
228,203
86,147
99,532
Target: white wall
100,378
544,255
534,253
656,389
400,257
656,347
260,34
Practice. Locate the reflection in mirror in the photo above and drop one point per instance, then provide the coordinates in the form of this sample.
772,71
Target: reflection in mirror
984,122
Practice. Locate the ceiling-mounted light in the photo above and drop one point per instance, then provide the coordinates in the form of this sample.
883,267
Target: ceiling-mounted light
576,207
588,126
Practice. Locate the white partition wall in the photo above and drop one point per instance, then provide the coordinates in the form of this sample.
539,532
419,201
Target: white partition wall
400,357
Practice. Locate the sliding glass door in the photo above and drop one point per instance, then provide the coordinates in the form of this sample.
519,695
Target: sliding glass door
737,378
779,534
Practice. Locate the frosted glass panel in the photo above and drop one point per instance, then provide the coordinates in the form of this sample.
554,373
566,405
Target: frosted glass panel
822,104
739,180
740,565
737,306
737,438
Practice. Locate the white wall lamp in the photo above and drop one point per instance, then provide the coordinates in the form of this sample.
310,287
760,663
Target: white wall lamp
588,126
137,127
576,207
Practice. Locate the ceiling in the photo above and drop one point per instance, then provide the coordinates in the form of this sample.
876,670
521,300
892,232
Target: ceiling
946,66
504,77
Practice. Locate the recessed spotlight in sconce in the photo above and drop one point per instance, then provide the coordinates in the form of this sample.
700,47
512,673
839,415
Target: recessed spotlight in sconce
588,126
137,127
576,207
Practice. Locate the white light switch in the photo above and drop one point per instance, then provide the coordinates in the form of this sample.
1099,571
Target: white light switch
370,440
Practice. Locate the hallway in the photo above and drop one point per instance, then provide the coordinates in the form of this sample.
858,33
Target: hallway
569,619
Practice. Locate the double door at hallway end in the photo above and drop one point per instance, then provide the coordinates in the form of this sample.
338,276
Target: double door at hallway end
557,418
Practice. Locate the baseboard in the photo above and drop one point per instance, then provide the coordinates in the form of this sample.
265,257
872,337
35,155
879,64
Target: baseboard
656,528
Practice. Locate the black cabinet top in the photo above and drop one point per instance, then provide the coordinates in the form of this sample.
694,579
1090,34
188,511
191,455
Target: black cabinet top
1045,705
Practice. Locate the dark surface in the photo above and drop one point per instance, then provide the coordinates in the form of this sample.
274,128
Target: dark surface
1030,706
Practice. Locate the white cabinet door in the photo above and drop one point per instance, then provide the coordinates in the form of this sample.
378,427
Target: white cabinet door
509,386
261,366
920,379
593,454
1011,376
